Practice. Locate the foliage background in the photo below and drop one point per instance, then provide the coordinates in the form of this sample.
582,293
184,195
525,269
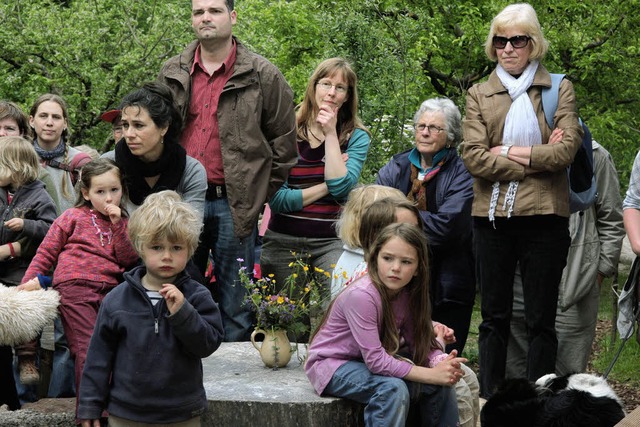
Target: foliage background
95,51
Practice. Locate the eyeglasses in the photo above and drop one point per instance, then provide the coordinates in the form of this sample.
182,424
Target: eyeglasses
518,42
324,85
432,128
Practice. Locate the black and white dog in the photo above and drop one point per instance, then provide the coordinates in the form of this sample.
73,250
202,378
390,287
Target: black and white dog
577,400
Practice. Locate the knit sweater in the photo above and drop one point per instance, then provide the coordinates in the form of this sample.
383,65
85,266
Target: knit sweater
86,246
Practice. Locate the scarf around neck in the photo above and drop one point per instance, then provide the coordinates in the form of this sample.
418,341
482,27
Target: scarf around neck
50,155
418,192
521,128
170,166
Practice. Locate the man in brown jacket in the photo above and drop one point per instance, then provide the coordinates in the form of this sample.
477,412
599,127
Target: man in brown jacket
240,124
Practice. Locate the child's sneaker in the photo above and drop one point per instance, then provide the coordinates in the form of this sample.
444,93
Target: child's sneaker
28,371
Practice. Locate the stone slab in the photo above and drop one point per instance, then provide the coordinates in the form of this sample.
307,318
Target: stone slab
243,392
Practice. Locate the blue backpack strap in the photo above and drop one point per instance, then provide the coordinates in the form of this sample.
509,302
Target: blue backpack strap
550,98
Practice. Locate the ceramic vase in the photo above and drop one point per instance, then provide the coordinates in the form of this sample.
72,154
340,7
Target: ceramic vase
275,350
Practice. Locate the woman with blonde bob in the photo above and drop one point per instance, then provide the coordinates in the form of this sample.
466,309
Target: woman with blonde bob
332,147
521,195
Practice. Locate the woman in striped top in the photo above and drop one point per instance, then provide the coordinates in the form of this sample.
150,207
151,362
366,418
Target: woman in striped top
332,147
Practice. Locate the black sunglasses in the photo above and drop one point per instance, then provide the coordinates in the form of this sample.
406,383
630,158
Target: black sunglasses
517,42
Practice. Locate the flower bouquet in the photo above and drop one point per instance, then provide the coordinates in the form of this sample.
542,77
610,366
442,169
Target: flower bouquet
285,306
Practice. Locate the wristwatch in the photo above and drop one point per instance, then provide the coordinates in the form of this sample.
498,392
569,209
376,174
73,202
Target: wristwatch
504,151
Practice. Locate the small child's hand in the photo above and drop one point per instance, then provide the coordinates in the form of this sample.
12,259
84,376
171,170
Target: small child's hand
449,371
15,224
172,296
114,212
31,285
447,336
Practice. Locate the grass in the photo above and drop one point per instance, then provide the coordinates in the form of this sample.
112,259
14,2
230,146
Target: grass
626,368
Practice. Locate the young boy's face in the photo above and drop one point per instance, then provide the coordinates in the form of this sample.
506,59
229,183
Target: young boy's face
164,259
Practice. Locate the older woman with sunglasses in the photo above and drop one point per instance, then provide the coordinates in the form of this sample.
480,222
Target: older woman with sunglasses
521,192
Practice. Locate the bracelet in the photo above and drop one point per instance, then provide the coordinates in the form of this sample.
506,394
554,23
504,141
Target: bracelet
11,250
504,151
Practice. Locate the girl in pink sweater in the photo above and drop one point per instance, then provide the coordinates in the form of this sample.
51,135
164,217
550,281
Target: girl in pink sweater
375,341
89,248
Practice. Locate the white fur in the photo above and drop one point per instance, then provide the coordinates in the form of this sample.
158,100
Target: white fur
23,314
593,384
596,385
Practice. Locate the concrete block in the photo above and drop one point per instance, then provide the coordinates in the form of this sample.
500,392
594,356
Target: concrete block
243,392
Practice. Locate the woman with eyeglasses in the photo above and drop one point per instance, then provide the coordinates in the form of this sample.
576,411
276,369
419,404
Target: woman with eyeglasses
521,191
332,147
433,176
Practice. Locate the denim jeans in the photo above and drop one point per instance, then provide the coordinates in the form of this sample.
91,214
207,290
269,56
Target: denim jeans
542,255
62,383
218,237
388,400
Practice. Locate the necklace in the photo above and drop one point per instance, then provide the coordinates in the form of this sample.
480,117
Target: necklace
314,135
102,234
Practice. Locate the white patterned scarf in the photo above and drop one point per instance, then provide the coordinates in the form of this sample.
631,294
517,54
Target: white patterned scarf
521,128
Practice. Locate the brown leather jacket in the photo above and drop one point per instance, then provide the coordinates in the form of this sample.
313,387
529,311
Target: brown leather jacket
257,129
543,193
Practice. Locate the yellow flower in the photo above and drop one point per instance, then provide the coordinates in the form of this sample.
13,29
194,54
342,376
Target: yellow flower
306,289
271,275
291,264
294,275
305,268
318,270
280,300
333,266
344,274
326,273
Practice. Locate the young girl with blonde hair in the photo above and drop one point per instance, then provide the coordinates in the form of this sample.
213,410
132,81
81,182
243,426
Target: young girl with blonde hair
27,213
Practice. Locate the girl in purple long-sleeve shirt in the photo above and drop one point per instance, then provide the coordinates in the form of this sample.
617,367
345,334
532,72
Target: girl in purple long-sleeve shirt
374,344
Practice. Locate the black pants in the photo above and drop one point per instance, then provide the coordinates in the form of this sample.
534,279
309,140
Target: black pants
542,254
8,393
457,317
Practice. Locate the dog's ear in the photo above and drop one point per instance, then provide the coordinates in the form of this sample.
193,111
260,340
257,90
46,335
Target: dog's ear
515,403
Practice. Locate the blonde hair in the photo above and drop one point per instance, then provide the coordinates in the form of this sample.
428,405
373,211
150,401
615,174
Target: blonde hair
523,17
360,199
18,160
164,215
87,149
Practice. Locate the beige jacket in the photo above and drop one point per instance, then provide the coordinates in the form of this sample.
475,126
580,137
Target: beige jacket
544,192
